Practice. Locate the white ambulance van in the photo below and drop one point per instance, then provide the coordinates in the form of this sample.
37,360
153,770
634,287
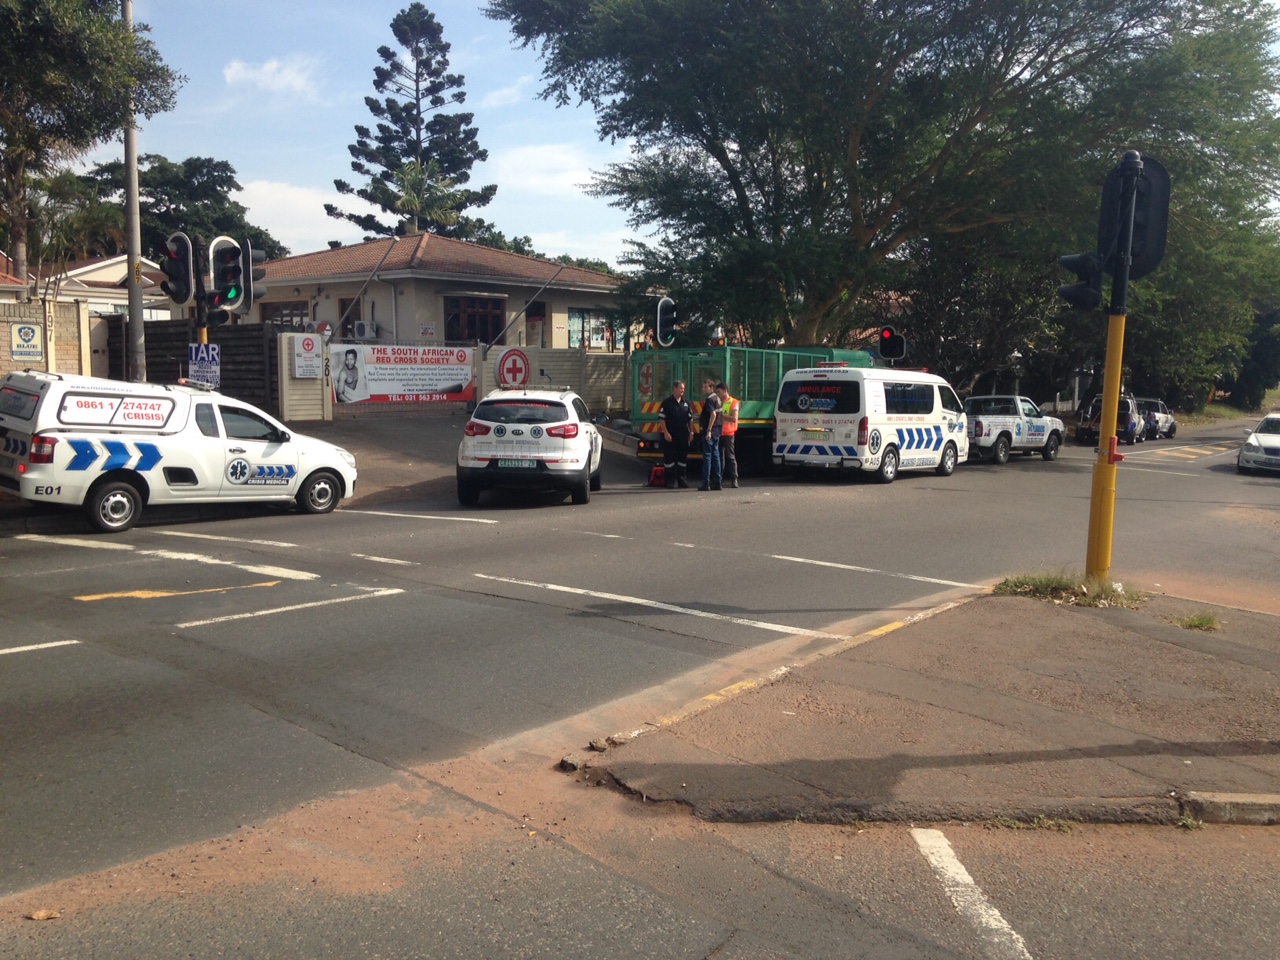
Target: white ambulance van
112,447
873,419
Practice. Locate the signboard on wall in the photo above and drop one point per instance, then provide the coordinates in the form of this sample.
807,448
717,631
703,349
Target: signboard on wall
204,363
512,368
307,351
26,342
383,373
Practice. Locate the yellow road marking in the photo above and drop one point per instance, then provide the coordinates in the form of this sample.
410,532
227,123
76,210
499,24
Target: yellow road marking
1201,450
1184,456
161,594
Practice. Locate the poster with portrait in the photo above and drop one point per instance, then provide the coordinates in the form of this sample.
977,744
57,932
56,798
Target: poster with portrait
386,373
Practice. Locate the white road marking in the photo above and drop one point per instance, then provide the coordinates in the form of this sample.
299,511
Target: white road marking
40,646
372,595
1167,473
209,536
1001,941
281,573
691,546
690,611
606,536
883,573
418,516
403,563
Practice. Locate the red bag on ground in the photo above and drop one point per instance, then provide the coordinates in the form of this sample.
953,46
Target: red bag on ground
658,475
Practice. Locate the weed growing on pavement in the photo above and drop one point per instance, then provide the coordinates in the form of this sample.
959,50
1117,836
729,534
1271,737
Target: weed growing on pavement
1062,588
1188,822
1040,822
1199,621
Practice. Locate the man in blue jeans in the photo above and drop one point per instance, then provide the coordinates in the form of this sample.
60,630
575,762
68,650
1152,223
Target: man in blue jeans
710,423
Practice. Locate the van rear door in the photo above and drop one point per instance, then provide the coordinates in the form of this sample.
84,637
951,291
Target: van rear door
17,423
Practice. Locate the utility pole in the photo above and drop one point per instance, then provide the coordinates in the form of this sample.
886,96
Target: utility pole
136,369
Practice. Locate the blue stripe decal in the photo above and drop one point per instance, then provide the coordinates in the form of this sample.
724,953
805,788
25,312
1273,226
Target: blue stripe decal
150,456
86,454
937,435
118,455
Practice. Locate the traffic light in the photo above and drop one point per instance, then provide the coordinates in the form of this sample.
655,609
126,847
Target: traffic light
893,345
226,286
1150,218
177,264
665,329
1087,294
251,274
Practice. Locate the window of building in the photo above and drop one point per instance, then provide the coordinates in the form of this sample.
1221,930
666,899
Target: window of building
293,313
474,318
592,329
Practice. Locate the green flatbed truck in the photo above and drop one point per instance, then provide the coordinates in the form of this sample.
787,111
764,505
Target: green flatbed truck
752,375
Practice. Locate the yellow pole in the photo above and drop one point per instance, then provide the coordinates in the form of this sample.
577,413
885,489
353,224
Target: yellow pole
1102,510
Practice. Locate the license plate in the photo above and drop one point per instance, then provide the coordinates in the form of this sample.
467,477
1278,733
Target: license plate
6,463
528,464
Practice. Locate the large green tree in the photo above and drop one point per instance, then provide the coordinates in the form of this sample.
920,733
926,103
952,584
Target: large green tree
194,196
792,155
412,136
69,70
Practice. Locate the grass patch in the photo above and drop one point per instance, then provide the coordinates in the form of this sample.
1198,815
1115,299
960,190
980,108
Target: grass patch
1062,588
1189,822
1040,822
1200,621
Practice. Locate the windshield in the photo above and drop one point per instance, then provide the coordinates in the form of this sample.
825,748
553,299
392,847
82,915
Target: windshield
1269,425
819,396
521,410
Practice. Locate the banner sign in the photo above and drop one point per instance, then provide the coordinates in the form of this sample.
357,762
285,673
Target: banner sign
383,373
204,363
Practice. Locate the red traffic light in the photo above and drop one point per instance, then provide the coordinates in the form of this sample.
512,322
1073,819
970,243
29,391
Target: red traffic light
893,345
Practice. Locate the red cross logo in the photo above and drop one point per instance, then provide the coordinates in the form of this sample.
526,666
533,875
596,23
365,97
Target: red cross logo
514,369
308,345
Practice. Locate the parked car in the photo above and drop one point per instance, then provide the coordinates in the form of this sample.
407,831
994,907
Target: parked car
1157,418
1130,425
1261,450
1000,424
521,438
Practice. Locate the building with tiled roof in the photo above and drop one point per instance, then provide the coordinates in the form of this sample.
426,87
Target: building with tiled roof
431,289
99,282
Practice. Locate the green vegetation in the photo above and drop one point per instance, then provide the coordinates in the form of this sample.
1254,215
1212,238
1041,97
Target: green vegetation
1188,822
1200,621
1074,591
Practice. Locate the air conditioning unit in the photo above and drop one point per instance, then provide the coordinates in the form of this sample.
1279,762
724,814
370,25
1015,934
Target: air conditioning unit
309,327
364,330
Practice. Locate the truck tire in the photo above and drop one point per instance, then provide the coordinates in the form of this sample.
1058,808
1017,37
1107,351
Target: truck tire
1050,451
888,468
320,493
947,465
468,493
1000,450
114,506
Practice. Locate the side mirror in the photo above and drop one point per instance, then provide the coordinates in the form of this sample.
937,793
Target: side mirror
284,436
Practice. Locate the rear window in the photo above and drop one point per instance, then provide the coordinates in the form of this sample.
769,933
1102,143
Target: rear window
18,403
819,396
989,406
521,411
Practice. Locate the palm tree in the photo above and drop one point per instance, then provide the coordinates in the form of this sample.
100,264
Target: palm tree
426,198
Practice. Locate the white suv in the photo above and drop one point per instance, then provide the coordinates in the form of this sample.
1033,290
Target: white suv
520,438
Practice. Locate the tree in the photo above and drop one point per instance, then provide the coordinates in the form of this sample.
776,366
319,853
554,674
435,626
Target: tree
444,145
193,196
70,68
791,152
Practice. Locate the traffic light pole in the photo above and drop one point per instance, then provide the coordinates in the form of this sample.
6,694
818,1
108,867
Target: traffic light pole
1102,508
201,253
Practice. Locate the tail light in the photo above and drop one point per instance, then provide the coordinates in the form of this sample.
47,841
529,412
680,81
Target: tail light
42,449
566,431
473,429
977,428
863,426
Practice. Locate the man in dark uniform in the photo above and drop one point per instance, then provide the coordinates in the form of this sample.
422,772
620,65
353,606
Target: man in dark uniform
676,419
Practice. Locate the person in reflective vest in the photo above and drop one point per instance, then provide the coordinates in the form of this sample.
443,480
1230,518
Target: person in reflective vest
729,408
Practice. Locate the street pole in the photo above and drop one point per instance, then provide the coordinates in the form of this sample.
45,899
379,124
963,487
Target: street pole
137,337
1103,501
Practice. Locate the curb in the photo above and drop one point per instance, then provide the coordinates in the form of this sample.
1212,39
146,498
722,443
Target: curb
1253,809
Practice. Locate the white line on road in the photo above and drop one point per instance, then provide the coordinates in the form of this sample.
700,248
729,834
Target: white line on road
297,606
282,573
209,536
403,563
40,646
418,516
1002,942
1167,473
690,611
883,573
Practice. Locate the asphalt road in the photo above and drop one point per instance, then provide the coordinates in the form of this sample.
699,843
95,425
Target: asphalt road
209,676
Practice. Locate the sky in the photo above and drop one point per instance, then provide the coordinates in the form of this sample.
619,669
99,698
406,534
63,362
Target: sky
278,93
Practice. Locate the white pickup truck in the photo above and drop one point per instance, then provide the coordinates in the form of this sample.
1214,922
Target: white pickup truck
1001,424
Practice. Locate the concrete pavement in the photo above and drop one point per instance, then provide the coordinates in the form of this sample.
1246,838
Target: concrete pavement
992,707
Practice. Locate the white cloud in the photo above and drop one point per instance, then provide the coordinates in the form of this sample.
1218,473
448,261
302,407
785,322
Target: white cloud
294,75
295,215
549,170
507,96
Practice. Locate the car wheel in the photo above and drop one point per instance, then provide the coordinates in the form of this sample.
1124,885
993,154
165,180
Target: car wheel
468,493
947,465
596,479
888,465
320,493
1000,450
114,507
1172,431
1130,439
581,493
1050,451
